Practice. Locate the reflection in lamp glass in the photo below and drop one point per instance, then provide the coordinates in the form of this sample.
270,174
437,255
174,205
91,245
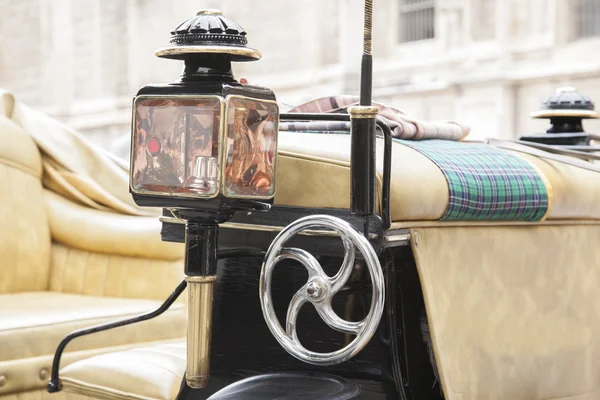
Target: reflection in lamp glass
176,145
251,147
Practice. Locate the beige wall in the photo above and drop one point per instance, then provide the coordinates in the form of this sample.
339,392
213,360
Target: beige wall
490,64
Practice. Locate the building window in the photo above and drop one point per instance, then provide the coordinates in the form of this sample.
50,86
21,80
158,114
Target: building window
417,20
586,18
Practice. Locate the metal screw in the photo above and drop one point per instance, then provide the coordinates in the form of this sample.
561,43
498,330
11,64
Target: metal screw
2,380
43,374
315,290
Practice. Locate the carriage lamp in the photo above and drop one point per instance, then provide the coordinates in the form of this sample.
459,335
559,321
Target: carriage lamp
566,109
204,147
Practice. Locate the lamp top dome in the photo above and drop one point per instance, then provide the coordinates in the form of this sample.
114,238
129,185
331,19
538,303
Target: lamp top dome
209,32
566,102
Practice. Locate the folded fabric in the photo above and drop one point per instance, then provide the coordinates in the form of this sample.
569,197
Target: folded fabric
403,126
73,166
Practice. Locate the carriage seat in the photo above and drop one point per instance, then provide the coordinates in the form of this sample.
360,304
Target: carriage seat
314,171
64,266
144,373
157,372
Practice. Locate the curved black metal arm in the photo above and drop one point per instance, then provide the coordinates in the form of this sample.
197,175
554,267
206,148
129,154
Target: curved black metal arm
54,384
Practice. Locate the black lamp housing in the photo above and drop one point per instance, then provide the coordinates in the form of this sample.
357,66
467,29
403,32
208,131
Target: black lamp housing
206,143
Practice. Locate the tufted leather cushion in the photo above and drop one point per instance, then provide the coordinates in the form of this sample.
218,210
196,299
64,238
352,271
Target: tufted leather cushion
100,274
146,373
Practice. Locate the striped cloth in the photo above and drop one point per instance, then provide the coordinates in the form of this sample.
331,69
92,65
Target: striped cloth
486,183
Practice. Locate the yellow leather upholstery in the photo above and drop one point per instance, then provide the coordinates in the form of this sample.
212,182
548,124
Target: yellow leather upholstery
513,310
42,394
24,236
99,274
314,171
22,152
576,191
73,166
109,233
64,266
153,372
33,323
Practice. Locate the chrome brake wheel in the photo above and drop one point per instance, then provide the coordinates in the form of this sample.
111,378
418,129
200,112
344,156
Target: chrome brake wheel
320,289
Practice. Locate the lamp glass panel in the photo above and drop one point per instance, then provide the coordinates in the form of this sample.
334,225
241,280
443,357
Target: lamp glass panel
251,148
176,146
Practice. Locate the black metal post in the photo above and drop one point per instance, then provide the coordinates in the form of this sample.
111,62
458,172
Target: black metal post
362,164
201,248
363,117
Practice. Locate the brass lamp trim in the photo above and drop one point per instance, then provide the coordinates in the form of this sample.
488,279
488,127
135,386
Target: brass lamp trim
209,11
564,113
228,100
363,112
219,158
238,53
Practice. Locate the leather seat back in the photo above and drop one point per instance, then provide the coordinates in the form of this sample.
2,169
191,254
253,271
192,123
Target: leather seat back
24,234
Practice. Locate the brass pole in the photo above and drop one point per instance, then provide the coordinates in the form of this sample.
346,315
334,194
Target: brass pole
201,274
200,300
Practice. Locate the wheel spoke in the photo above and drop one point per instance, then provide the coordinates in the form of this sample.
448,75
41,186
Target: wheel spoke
292,313
335,322
303,257
340,279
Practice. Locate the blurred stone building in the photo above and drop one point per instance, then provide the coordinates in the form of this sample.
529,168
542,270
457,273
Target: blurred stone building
486,63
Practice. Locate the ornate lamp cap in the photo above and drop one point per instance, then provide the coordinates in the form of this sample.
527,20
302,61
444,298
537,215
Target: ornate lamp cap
209,32
566,102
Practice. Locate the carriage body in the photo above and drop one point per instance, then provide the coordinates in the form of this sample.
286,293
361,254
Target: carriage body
486,253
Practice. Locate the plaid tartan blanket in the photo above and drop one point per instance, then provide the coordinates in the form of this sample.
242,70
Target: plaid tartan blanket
486,183
403,126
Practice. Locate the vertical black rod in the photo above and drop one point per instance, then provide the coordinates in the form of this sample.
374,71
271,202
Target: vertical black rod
366,80
201,248
363,123
362,165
